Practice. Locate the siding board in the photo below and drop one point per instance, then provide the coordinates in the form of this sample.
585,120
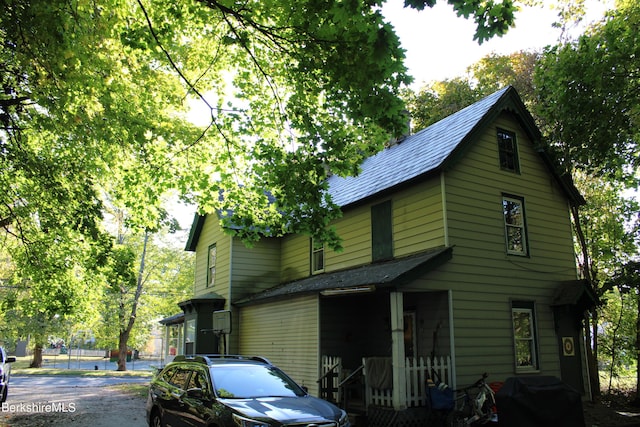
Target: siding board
287,333
482,275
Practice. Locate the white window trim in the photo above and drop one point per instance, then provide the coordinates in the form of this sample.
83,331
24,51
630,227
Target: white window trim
317,250
522,227
533,340
515,154
211,267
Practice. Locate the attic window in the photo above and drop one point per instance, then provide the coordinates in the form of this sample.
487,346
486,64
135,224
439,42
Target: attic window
508,151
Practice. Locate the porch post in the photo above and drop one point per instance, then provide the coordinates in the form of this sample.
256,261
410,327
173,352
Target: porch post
166,344
397,351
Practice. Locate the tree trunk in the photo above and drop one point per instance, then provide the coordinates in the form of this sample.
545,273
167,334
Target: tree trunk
36,362
637,345
591,319
125,331
123,338
592,354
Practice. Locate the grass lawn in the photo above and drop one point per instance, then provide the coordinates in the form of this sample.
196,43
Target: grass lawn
137,390
21,367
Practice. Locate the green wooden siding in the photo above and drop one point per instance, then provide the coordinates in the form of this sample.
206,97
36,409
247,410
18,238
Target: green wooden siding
418,221
482,276
255,269
355,230
287,333
418,225
212,233
295,258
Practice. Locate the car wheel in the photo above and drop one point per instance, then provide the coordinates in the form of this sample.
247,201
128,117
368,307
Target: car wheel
156,420
3,397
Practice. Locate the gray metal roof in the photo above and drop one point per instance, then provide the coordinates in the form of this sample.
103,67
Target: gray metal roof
414,156
387,274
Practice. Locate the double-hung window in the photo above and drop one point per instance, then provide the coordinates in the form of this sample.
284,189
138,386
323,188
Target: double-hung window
317,256
508,151
211,265
514,225
524,335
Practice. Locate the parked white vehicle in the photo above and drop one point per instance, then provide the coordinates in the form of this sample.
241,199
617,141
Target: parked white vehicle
5,373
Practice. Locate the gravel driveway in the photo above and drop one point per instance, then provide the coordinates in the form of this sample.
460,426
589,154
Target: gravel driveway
36,401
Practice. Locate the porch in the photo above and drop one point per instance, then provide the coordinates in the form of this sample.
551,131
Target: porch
375,397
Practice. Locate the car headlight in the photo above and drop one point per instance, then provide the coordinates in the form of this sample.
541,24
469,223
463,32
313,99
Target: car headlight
344,419
248,422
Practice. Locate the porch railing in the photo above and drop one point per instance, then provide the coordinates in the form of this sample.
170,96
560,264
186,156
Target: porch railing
416,372
330,380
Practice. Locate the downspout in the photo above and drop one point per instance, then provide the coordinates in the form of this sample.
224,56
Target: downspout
452,341
227,338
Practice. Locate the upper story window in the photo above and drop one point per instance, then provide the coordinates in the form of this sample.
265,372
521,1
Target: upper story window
317,256
211,265
381,231
524,335
514,225
508,151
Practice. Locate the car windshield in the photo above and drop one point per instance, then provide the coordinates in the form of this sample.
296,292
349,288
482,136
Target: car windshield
251,381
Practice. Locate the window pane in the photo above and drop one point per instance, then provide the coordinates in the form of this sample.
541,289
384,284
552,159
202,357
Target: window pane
524,335
213,255
508,151
514,239
524,353
514,222
318,260
246,382
180,379
522,324
317,256
512,212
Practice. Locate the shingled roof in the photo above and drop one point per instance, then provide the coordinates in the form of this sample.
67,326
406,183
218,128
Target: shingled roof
389,274
429,150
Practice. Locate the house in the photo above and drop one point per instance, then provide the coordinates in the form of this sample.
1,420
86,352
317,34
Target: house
458,257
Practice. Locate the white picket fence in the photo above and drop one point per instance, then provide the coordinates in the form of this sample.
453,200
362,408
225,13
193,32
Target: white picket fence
330,363
416,374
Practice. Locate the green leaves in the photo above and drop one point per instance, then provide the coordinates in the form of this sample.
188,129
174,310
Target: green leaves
589,93
491,18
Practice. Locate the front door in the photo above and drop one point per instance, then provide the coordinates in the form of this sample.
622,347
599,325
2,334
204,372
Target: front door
568,329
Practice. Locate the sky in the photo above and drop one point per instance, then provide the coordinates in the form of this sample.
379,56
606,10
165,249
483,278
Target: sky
440,45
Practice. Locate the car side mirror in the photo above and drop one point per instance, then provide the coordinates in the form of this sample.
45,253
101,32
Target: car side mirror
10,359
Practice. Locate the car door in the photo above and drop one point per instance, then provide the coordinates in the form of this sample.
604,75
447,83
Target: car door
172,397
196,399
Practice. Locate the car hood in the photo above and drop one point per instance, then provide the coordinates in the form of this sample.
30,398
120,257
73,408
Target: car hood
306,409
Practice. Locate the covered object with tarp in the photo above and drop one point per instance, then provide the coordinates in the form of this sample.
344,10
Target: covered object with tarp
539,401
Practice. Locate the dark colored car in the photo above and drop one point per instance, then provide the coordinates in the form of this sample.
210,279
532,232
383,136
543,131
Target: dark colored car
234,391
5,373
